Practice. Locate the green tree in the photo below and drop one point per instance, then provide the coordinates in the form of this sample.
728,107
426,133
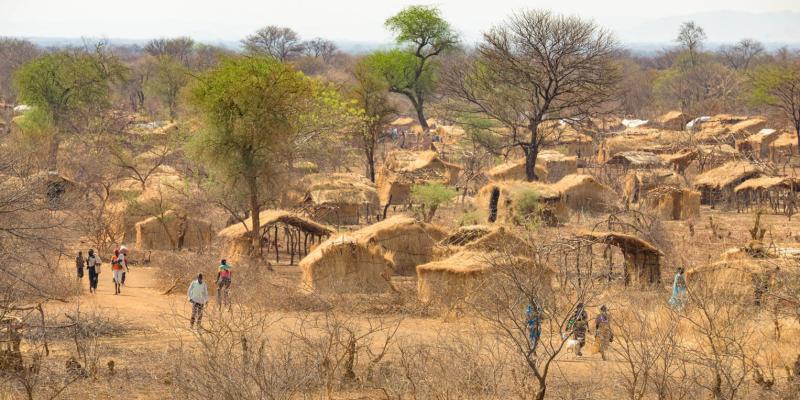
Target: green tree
431,196
167,77
410,72
778,86
256,111
691,36
370,95
70,89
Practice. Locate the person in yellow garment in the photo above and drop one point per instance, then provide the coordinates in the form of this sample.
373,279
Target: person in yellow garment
198,296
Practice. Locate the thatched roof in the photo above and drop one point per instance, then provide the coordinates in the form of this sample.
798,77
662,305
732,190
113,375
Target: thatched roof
727,174
401,121
769,182
512,170
466,234
340,188
396,223
762,135
270,217
628,243
575,180
474,262
427,159
636,159
512,188
786,141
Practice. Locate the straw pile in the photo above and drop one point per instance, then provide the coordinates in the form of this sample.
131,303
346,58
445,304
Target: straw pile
345,264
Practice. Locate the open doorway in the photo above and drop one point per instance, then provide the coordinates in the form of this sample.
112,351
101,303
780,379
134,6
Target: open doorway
493,204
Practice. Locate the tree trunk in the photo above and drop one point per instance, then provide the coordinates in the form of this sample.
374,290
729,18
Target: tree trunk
540,393
371,165
252,185
531,153
418,106
431,212
52,156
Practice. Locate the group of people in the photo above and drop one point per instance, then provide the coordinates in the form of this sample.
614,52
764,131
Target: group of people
577,327
198,292
92,263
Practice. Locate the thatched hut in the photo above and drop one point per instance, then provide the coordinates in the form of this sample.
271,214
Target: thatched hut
487,238
649,140
292,232
637,183
636,160
403,169
583,192
514,171
726,128
550,166
340,198
783,147
499,200
344,264
673,202
717,185
673,120
779,193
172,231
463,275
411,242
757,146
642,259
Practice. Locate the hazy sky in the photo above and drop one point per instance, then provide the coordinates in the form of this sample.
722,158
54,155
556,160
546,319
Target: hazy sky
355,20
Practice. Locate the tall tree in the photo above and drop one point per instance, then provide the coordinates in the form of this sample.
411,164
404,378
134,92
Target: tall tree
322,48
69,89
410,72
778,85
370,94
256,109
536,67
278,42
13,54
166,79
177,48
741,55
691,36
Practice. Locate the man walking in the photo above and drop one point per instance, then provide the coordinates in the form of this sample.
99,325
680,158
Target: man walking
80,262
93,267
198,296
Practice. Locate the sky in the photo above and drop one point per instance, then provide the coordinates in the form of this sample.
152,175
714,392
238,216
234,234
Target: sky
351,20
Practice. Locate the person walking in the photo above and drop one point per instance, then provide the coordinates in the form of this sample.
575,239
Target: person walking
602,331
93,268
118,266
678,299
198,296
80,262
123,251
224,284
534,316
578,325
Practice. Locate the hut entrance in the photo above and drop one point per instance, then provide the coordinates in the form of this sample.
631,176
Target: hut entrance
493,200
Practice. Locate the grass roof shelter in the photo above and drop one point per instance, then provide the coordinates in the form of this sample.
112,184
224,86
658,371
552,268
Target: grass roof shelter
344,264
778,193
499,200
636,160
409,242
726,128
584,193
642,259
672,202
340,198
638,182
757,146
717,185
172,231
464,275
280,229
656,141
550,166
403,169
673,120
783,148
488,238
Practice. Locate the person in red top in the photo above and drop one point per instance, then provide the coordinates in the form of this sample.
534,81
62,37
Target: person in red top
118,266
224,284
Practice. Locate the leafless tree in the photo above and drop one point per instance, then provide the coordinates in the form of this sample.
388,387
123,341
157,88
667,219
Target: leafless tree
741,55
179,48
536,67
321,48
691,36
278,42
13,53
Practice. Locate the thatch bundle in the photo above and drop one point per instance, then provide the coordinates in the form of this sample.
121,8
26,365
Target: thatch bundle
464,274
345,264
673,203
340,198
411,242
642,259
403,169
499,199
673,120
716,185
583,192
172,231
237,242
637,183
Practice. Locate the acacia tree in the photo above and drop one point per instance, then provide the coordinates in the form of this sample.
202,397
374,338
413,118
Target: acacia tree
691,36
278,42
69,89
166,79
176,48
322,48
370,95
410,72
536,67
255,110
778,86
741,55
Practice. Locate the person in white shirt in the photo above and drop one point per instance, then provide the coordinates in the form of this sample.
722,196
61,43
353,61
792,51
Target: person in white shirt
198,296
93,267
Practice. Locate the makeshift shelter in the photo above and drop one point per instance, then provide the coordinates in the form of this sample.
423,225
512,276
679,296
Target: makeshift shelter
681,160
464,274
717,185
172,231
279,229
779,193
499,200
673,203
403,169
514,171
642,259
726,128
637,183
550,166
409,241
649,140
340,198
486,238
784,147
636,160
757,146
583,192
673,120
344,264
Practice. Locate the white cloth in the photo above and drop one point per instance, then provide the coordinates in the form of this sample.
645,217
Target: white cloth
94,262
118,276
198,292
